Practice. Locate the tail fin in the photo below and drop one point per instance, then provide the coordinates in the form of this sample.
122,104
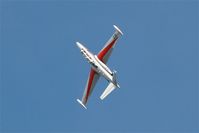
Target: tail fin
108,90
115,78
112,86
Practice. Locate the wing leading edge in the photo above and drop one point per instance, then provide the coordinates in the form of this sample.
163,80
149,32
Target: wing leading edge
91,82
106,51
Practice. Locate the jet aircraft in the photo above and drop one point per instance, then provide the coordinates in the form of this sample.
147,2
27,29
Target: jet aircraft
99,67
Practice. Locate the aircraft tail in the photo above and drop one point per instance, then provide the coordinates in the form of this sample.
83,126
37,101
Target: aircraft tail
115,79
112,86
108,90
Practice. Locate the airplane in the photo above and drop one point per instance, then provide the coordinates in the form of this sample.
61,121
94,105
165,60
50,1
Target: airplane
99,68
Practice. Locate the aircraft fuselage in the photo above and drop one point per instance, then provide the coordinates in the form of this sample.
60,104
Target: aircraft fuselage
96,64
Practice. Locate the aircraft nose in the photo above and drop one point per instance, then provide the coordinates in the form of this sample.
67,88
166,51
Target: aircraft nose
79,45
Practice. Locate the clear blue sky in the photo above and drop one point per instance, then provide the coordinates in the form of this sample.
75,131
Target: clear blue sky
43,72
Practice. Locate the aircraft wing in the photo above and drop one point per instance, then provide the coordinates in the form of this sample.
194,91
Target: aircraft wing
92,80
105,53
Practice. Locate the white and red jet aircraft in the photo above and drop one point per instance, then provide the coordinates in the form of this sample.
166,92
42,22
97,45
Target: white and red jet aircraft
99,67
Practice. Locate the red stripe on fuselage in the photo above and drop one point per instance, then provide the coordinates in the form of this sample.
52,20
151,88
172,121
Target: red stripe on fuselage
106,49
91,77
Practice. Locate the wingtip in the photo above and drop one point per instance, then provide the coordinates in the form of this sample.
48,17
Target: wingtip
80,102
118,29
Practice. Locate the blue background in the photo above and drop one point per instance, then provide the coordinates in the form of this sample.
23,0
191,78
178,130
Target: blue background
43,72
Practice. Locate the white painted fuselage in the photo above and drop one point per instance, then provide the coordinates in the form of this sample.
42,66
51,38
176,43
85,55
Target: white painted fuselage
99,68
96,64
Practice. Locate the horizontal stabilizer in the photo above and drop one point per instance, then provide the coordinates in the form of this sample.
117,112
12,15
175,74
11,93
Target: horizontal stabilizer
108,90
80,102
